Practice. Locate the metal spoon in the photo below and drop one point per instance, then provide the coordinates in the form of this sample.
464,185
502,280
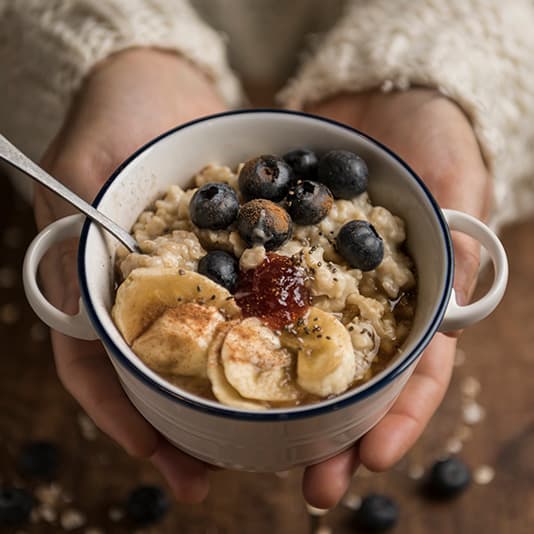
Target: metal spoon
12,155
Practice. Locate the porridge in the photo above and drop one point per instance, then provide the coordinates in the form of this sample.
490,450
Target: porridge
275,284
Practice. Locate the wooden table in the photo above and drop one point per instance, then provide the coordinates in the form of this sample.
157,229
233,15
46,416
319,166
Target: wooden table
96,475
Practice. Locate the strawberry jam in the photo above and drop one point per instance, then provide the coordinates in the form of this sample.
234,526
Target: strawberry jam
275,291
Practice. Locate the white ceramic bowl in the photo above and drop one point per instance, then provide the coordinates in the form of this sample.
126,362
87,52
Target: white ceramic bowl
275,439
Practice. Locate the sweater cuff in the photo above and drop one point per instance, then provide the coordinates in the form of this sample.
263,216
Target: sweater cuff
474,51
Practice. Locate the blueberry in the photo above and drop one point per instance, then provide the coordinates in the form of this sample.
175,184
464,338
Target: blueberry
344,173
265,177
309,202
15,506
39,459
377,513
147,504
447,478
214,206
359,243
303,162
220,267
262,222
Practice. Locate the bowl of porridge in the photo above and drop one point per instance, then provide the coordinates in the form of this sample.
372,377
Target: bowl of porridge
291,272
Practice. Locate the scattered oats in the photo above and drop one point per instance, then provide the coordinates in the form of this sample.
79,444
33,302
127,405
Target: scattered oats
87,427
416,472
282,474
49,494
459,358
8,277
38,332
47,513
13,236
453,445
352,501
470,386
316,511
473,413
483,474
324,529
67,497
115,514
71,519
93,530
9,313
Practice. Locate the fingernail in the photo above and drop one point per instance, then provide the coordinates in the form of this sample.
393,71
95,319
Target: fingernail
313,510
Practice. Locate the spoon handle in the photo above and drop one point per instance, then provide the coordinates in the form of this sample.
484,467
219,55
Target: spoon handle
12,155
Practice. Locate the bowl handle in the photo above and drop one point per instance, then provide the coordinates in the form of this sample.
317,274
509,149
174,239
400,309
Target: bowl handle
456,316
77,325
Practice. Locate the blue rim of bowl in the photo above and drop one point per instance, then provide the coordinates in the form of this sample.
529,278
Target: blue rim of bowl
314,409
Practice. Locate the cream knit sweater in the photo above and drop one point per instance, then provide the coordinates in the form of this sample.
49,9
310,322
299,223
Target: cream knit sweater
478,52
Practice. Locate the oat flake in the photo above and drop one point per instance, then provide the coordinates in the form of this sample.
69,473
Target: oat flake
453,445
416,472
352,501
87,427
323,529
459,358
71,519
470,386
473,413
47,513
115,514
484,474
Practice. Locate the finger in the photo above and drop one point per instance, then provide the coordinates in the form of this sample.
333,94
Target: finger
325,483
86,372
186,476
396,433
466,266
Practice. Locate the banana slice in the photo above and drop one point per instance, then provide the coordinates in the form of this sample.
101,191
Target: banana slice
177,342
326,363
148,292
222,389
256,364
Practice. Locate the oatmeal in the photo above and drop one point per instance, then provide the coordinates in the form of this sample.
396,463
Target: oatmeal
265,287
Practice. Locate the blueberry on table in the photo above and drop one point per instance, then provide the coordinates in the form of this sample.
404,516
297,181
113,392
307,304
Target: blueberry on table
266,177
147,504
344,173
262,222
447,478
359,243
214,205
221,267
38,459
303,162
309,202
15,506
377,513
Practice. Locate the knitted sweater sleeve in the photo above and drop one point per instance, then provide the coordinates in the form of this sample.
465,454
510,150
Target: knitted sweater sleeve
478,52
48,47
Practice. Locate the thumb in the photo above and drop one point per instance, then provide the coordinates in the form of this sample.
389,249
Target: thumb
466,268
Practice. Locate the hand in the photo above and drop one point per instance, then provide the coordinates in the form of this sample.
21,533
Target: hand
436,139
129,99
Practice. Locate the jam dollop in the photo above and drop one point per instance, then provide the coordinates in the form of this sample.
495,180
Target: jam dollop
275,291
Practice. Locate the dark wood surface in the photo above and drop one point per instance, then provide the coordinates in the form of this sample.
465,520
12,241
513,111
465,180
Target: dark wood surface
96,476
